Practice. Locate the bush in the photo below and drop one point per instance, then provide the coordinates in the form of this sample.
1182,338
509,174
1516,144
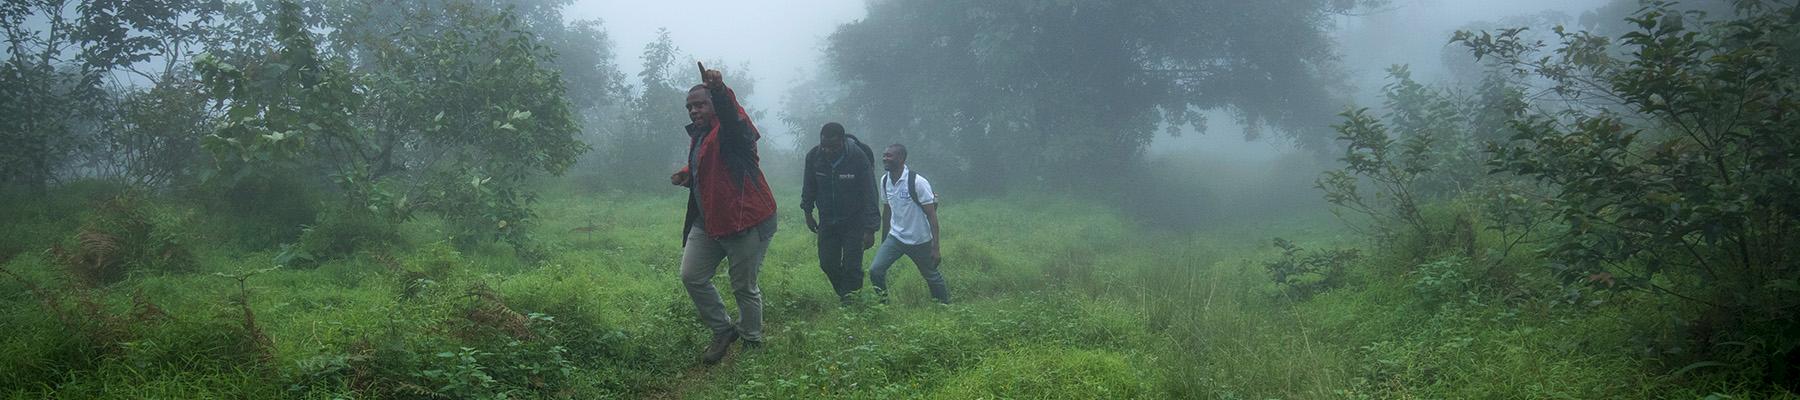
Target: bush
126,233
339,233
1685,188
1306,274
1443,280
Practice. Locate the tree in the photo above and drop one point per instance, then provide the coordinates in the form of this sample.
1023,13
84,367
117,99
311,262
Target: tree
450,118
77,88
1044,89
1674,174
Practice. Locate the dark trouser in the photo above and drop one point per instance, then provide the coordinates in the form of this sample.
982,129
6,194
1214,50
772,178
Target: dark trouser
840,256
890,251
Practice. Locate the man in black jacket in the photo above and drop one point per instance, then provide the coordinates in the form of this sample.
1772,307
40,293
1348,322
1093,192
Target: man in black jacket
840,182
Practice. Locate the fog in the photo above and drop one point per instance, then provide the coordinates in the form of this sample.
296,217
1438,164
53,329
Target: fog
783,47
781,43
1108,199
1411,32
778,41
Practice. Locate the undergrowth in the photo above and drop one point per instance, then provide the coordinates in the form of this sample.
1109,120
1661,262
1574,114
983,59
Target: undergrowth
1085,305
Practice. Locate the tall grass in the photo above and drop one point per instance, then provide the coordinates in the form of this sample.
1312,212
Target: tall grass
1055,298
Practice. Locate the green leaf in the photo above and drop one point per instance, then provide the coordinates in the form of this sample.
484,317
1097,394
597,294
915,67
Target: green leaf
1698,365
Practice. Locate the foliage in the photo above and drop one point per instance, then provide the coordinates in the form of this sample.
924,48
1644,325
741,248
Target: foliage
1305,274
1675,174
124,234
645,142
1030,90
43,97
1426,151
1443,280
155,140
70,113
647,139
1155,314
449,118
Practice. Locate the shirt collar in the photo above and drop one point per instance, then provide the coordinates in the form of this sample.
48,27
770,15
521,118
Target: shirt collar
904,170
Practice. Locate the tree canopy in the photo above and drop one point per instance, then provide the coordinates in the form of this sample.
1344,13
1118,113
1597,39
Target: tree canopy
1045,88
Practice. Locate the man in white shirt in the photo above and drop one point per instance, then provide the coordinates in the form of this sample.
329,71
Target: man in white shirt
909,211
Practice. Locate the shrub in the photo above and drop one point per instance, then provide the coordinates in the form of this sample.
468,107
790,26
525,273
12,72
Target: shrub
338,234
123,234
1682,183
1304,274
1443,280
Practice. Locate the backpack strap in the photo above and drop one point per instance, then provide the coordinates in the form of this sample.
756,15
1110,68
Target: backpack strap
912,182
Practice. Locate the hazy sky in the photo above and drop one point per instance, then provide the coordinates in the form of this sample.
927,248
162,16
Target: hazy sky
1413,32
779,40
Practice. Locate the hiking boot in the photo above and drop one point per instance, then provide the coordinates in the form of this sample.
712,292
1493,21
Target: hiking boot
721,344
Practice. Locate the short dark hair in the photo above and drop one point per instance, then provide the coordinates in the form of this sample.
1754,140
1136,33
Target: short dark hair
899,149
697,87
832,129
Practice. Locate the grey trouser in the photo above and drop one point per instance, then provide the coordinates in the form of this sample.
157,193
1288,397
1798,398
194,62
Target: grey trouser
700,261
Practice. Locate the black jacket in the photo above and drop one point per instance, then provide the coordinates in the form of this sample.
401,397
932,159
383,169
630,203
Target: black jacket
844,193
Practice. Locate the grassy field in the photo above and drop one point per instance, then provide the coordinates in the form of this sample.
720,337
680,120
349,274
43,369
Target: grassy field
1055,298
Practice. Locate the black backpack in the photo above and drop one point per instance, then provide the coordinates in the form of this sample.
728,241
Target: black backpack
867,153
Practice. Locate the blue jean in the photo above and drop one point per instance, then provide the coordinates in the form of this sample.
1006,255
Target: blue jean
890,252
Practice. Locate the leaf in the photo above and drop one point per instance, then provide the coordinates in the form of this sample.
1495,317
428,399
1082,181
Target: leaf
1698,365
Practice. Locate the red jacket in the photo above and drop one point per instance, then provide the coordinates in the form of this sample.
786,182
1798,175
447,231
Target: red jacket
726,186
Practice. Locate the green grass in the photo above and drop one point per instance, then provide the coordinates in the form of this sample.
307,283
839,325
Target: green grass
1056,298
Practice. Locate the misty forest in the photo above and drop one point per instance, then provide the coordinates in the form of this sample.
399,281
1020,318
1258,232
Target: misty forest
1192,199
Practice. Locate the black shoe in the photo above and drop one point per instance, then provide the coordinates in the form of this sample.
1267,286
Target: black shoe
752,345
721,344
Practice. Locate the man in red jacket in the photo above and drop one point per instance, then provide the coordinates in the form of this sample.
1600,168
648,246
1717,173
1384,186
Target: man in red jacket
730,213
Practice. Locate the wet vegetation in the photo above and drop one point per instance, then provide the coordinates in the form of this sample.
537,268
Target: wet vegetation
464,199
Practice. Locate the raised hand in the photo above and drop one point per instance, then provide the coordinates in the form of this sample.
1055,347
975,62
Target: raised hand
713,79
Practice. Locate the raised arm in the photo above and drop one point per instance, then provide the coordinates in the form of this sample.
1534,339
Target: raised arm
736,132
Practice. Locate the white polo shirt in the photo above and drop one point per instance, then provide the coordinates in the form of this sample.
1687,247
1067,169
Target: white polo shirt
908,222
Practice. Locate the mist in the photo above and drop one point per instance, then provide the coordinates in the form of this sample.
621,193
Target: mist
948,199
781,44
